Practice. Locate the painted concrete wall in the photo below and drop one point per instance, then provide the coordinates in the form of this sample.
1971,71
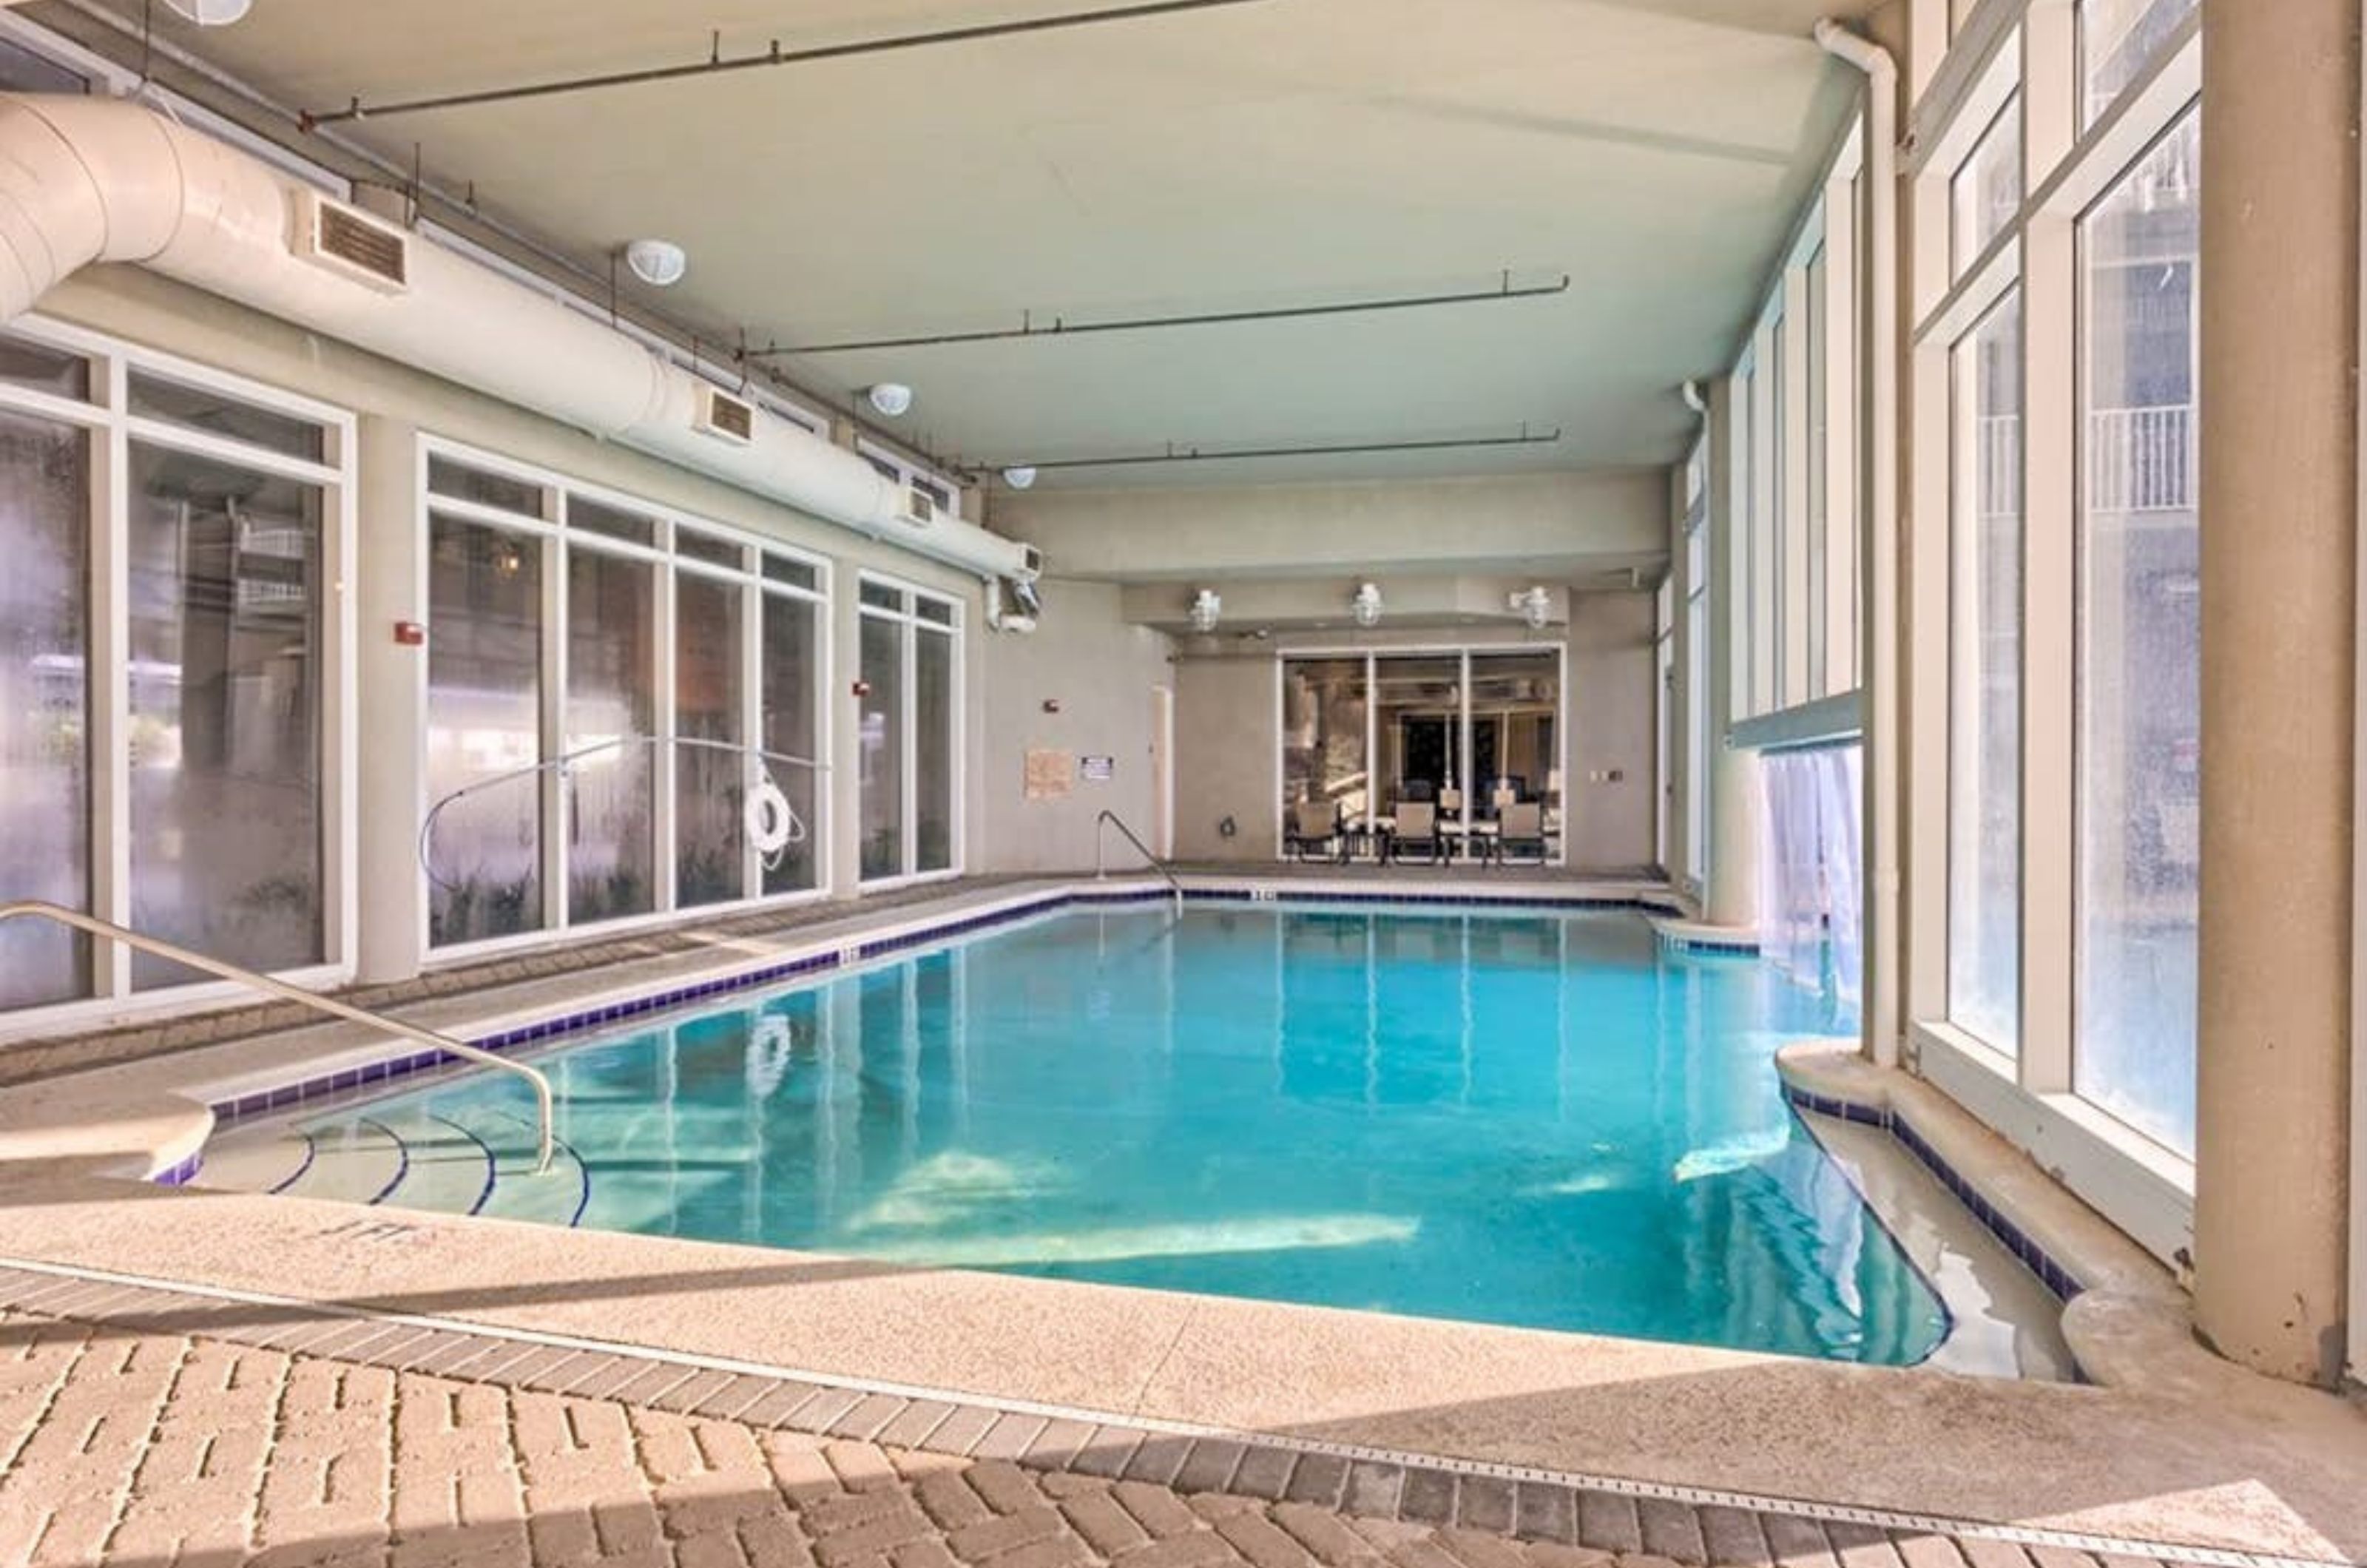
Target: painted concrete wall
1102,672
1609,519
1613,678
1227,729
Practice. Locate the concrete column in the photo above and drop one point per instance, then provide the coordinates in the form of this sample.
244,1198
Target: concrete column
389,572
1731,898
2279,295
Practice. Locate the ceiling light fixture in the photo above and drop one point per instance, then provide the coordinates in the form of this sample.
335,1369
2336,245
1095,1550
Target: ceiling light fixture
1536,607
658,263
1206,608
890,397
1366,604
1019,475
210,13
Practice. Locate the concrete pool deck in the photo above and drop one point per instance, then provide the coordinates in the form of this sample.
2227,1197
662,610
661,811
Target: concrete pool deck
2230,1463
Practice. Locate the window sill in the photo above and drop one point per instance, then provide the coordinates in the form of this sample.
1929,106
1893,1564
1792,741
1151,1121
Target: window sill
2141,1187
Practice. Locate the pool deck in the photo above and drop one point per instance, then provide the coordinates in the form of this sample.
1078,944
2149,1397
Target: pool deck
2179,1465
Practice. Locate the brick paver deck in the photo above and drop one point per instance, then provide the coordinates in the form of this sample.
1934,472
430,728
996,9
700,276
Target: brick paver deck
152,1429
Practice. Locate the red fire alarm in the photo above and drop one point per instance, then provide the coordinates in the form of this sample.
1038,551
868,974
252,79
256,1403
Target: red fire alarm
861,688
409,634
1051,705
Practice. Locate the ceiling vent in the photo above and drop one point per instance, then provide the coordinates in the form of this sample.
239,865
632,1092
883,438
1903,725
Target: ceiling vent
352,244
920,507
725,417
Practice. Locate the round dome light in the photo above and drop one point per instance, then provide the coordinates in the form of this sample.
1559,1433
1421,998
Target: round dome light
659,263
890,397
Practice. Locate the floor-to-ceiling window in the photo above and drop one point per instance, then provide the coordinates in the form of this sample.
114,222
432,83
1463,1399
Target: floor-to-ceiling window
1465,732
1985,796
610,687
911,647
171,656
2053,979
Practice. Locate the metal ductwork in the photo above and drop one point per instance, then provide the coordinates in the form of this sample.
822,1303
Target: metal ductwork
86,179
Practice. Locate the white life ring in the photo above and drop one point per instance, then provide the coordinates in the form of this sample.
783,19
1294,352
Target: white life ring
772,826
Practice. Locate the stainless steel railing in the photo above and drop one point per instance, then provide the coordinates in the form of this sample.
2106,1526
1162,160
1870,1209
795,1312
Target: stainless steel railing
34,908
1101,863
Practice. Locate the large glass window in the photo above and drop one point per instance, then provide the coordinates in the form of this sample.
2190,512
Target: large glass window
792,664
2118,38
2139,638
1985,796
1323,725
911,766
557,707
44,701
216,540
1986,196
485,730
710,767
611,712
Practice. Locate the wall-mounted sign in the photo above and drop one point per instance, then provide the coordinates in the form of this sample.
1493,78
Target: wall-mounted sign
1051,776
1099,770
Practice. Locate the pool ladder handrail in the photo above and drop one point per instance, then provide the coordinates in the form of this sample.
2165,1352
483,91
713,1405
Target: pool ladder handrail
1100,861
40,910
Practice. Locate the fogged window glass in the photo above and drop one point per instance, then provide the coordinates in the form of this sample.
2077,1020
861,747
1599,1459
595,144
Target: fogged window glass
881,738
695,546
2139,635
933,751
483,854
796,573
611,703
462,482
879,596
217,413
709,792
224,597
791,659
39,368
2118,40
1984,726
609,521
1986,193
44,703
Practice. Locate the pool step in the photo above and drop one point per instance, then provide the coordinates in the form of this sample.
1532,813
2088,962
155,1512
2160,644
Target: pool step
469,1162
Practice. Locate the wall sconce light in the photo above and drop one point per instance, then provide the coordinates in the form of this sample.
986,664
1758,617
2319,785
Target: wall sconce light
1206,608
1536,607
1366,605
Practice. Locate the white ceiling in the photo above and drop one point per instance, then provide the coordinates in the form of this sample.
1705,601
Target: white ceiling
1277,152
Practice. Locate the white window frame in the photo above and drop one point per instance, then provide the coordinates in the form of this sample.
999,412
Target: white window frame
551,532
2008,46
1467,652
112,429
914,627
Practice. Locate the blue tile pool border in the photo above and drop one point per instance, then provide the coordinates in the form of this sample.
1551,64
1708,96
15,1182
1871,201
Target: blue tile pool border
856,950
2059,1281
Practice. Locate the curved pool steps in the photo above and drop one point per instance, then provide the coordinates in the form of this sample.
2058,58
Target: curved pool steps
472,1163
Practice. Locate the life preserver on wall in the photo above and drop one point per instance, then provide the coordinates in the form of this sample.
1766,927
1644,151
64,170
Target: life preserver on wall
772,826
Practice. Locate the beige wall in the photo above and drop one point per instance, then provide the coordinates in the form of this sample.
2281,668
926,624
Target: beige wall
1612,677
1102,672
1549,525
1227,727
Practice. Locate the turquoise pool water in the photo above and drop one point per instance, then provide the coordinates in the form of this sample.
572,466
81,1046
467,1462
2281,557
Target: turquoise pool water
1529,1119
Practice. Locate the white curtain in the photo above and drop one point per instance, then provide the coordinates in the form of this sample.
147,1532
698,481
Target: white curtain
1811,869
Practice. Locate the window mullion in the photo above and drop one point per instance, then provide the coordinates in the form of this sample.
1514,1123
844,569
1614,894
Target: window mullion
2051,462
109,692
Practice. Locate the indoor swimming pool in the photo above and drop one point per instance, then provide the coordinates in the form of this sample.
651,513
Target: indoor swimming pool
1538,1119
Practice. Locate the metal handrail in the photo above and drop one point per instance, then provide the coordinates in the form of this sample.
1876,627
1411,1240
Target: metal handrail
567,761
1100,863
40,910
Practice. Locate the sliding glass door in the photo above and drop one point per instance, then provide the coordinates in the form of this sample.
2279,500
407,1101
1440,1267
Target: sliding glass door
1465,732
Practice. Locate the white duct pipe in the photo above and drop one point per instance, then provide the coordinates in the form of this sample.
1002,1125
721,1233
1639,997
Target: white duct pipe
1694,401
86,179
1885,956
